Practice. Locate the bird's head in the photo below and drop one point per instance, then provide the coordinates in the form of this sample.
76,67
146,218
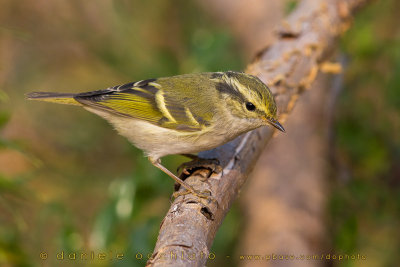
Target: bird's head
248,98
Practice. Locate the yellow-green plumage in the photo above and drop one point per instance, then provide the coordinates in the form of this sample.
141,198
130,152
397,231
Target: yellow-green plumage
180,114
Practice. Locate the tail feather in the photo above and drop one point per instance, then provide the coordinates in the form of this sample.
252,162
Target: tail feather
61,98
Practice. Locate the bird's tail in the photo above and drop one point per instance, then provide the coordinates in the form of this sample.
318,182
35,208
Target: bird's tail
61,98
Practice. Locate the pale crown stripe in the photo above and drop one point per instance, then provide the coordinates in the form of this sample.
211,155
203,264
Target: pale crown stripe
236,84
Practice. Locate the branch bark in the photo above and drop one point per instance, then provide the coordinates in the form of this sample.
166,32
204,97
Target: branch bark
284,202
305,41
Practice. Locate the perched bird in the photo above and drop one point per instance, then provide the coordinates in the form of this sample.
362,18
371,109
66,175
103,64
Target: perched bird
182,114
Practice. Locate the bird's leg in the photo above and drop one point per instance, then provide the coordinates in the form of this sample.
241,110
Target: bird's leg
187,168
157,163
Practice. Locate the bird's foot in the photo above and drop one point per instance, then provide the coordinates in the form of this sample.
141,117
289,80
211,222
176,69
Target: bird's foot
201,195
188,168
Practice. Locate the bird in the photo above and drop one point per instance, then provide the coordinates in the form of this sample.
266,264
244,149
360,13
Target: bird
183,114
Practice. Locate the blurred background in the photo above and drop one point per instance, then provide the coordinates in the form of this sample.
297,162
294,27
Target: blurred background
69,183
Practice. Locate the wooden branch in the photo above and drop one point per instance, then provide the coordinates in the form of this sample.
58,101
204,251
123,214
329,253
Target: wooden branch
289,66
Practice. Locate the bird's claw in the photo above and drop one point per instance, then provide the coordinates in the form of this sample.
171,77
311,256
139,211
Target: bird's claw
188,168
202,195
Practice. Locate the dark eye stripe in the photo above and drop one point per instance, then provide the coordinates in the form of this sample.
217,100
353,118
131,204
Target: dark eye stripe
225,88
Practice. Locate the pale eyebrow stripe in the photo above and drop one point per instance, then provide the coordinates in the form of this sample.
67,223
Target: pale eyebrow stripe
238,86
227,88
162,107
141,90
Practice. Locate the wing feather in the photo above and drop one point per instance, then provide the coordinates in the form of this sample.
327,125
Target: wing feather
142,100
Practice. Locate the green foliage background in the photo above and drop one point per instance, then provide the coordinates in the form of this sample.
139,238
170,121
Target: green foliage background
69,183
73,184
365,204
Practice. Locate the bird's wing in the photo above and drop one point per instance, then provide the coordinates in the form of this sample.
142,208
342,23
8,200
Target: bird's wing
143,100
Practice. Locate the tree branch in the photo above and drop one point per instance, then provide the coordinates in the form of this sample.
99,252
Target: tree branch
289,66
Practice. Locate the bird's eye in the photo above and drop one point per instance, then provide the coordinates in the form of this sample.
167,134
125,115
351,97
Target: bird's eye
250,106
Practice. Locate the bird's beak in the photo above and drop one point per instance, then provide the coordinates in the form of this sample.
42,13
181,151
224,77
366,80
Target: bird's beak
275,123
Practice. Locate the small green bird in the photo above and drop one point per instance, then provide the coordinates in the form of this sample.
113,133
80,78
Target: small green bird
182,114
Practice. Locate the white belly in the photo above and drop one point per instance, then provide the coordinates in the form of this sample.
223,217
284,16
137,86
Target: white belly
157,142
